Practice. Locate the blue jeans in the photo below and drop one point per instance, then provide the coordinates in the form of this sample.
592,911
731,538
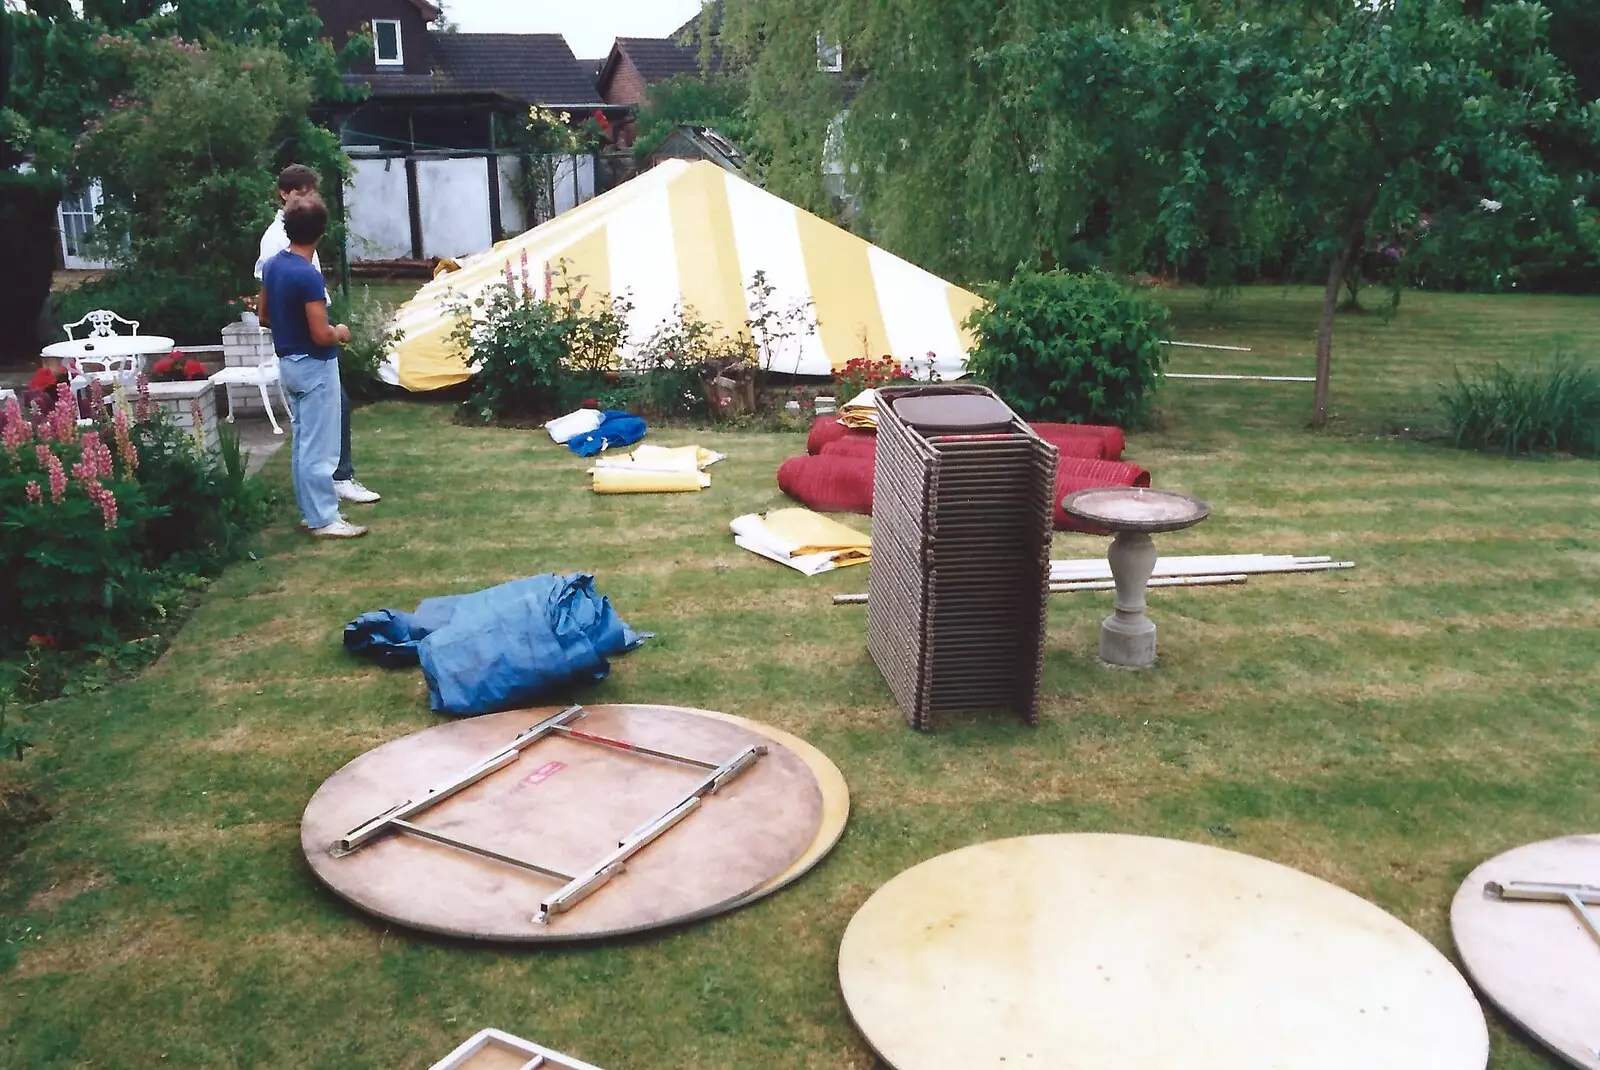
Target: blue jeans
313,390
347,467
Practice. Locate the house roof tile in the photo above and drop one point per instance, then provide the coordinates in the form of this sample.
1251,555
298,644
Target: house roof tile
529,68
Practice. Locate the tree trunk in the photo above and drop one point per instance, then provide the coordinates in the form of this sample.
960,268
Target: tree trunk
1330,301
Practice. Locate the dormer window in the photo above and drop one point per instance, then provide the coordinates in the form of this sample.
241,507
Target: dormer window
829,57
386,50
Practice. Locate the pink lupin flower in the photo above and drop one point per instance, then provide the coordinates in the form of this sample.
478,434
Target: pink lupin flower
106,500
511,280
35,495
527,291
57,474
97,400
18,432
141,408
65,414
97,455
125,450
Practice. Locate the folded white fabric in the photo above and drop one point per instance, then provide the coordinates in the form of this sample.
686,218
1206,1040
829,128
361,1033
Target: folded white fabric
649,458
563,428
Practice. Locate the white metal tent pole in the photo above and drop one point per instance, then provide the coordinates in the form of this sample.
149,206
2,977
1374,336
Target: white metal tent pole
1242,378
1202,345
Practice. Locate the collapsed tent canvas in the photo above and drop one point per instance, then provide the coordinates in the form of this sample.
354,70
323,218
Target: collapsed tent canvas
691,235
502,647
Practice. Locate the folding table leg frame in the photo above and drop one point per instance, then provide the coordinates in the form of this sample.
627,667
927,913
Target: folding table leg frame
575,887
539,1058
1577,896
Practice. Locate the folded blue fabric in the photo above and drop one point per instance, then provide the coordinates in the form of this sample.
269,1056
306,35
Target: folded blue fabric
617,429
502,647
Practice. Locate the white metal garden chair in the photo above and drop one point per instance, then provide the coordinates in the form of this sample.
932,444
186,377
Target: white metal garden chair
100,324
259,376
107,368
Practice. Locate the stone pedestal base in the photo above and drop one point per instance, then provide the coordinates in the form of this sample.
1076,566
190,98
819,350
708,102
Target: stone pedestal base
1128,636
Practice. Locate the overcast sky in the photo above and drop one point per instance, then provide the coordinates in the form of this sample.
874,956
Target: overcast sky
588,25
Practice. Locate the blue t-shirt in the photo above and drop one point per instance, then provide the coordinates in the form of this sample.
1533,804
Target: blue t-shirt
292,283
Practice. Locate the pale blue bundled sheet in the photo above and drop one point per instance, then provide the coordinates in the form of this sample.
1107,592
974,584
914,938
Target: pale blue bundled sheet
502,647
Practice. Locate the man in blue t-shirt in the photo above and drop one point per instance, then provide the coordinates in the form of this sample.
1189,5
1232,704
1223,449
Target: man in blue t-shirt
294,304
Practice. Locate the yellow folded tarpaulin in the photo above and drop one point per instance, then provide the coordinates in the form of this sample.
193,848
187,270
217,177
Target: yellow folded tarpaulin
622,481
813,533
802,540
860,413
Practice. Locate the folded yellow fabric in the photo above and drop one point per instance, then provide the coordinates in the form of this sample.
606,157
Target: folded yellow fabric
623,481
860,413
813,533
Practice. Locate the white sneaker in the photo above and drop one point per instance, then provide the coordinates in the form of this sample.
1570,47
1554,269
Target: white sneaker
307,527
340,529
349,490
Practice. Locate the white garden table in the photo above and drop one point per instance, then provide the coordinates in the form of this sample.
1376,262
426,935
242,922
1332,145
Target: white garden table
127,350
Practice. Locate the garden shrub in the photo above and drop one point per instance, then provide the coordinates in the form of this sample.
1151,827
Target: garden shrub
671,368
535,357
1073,348
1550,407
372,334
103,528
861,373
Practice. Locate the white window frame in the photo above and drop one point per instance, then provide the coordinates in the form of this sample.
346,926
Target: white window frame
399,59
70,235
830,58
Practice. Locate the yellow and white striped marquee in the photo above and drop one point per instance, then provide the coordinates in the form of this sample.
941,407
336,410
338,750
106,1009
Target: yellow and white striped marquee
695,235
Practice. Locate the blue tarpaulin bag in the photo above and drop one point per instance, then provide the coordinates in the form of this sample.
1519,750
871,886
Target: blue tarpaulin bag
502,647
617,429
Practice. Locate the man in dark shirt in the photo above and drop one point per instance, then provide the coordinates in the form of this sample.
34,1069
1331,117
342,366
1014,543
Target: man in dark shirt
294,304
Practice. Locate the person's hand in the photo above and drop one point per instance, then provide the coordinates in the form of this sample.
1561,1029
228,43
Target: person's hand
342,332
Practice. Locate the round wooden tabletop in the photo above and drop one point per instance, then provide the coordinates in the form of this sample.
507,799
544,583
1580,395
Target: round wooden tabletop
1536,961
835,806
564,804
1102,952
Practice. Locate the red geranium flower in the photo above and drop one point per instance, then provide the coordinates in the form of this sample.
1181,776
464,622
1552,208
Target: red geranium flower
162,366
194,370
41,640
45,379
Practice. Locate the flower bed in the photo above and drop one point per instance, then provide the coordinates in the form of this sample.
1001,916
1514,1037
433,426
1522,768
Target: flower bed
106,526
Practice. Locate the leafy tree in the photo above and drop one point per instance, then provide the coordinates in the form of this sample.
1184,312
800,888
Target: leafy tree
186,161
716,100
942,166
1229,138
67,68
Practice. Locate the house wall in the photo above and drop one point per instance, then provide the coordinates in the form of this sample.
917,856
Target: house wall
625,85
454,201
341,19
378,210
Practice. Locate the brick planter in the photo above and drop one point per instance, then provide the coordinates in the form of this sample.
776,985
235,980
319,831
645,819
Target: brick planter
174,399
245,345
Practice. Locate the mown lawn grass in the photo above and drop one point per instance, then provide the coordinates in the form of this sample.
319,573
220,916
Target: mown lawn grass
1385,728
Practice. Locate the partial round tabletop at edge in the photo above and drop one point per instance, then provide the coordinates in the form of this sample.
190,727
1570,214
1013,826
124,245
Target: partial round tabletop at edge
1094,952
1535,960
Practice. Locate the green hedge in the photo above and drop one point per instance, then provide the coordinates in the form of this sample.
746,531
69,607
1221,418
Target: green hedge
1073,348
